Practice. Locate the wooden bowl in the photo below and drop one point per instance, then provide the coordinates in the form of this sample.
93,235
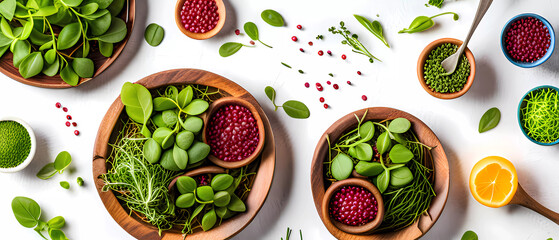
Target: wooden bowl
367,228
101,63
425,54
261,131
108,131
424,134
201,36
196,172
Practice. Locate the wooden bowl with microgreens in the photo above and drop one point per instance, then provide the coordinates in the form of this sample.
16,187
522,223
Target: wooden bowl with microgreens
395,152
200,20
64,46
151,166
433,77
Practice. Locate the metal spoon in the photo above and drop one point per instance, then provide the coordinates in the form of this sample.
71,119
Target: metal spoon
449,64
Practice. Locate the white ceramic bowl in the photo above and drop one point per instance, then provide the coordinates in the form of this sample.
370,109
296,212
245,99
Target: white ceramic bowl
33,145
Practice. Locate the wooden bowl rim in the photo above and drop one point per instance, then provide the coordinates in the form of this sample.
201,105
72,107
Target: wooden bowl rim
222,13
216,105
262,181
366,228
425,54
34,81
440,164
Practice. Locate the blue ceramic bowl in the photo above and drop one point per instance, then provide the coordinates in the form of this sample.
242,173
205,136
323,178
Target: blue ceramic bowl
547,54
522,105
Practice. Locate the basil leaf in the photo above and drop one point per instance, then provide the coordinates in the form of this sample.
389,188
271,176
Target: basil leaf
423,23
62,161
185,139
272,17
489,120
196,107
341,167
116,32
251,30
39,38
57,234
383,180
47,171
154,34
192,123
222,199
106,49
383,142
374,27
209,220
56,222
236,204
31,65
8,8
271,93
138,102
4,41
366,131
69,36
21,50
168,162
162,136
400,177
27,28
83,67
470,235
45,11
101,24
205,193
399,125
89,8
230,48
47,45
221,182
185,96
400,154
6,28
3,50
185,200
368,169
69,76
26,211
163,103
296,109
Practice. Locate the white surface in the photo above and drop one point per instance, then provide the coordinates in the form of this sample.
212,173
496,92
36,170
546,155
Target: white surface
391,83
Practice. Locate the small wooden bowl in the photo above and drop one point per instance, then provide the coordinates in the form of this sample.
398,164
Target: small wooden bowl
108,132
363,229
261,131
101,63
425,54
196,172
201,36
424,134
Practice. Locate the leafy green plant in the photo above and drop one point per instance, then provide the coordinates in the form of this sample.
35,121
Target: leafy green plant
272,17
230,48
374,27
469,235
436,3
292,108
61,162
489,120
28,31
422,23
352,41
138,102
154,34
28,213
252,31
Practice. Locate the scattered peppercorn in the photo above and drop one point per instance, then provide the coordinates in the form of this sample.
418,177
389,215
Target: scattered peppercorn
294,38
251,42
320,53
358,72
364,98
237,31
326,106
67,124
58,105
68,117
65,109
321,99
348,82
435,75
74,124
343,56
307,85
336,86
76,132
329,52
300,49
319,87
328,82
310,43
299,27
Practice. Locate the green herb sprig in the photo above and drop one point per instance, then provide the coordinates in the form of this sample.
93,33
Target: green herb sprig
252,31
422,23
352,41
230,48
374,27
288,234
61,162
28,214
292,108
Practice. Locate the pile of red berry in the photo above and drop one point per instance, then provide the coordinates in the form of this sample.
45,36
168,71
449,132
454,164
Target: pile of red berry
199,16
527,40
353,206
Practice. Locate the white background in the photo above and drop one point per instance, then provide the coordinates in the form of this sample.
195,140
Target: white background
391,83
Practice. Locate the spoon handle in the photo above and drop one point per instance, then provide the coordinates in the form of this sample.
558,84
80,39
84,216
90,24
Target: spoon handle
481,10
523,199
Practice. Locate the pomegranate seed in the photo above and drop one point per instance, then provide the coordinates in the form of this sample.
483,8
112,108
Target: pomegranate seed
58,105
300,49
76,132
252,42
527,40
294,38
353,205
310,43
307,85
326,106
237,31
321,99
358,72
329,52
320,53
319,87
364,98
74,124
299,27
328,82
343,56
336,86
348,82
65,109
68,117
67,124
200,16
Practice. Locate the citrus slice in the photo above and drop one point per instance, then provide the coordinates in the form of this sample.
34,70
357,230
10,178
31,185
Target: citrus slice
493,181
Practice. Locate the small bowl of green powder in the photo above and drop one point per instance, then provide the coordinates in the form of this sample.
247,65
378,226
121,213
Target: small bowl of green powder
538,115
17,144
432,76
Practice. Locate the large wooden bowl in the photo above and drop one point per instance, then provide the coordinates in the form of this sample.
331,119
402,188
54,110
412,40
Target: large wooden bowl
100,62
109,129
424,134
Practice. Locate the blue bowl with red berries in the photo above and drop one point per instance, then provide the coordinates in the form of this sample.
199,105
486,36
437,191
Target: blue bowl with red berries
527,40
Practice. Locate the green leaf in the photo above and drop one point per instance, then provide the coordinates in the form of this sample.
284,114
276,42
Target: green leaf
116,7
164,136
100,22
422,23
196,107
209,220
196,212
470,235
31,65
45,11
236,204
62,161
222,199
400,177
368,169
72,3
106,49
489,120
366,131
83,67
3,50
192,123
168,162
272,17
4,41
341,167
374,27
27,28
185,96
26,211
103,4
364,152
198,152
50,56
56,222
69,36
8,8
251,30
186,184
296,109
400,154
138,102
51,69
57,234
185,200
383,142
47,171
47,45
230,48
80,182
21,50
154,34
383,180
205,193
163,103
271,93
6,28
221,182
180,156
89,8
39,38
399,125
185,139
152,151
116,32
69,76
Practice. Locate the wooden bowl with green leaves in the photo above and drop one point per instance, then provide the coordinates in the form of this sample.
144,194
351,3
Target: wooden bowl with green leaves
381,162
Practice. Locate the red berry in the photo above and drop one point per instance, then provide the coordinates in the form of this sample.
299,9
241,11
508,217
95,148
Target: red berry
294,38
58,105
307,85
300,49
320,53
319,87
326,106
353,205
67,124
76,132
348,82
310,43
68,117
65,109
74,124
336,86
321,99
364,98
329,52
299,27
358,72
328,82
343,56
237,31
252,42
527,40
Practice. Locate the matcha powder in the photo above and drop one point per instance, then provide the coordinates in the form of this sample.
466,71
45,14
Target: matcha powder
15,144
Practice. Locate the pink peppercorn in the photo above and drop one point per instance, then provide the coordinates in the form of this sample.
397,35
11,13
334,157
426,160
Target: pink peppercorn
320,53
364,98
307,85
321,99
294,38
299,27
343,56
336,86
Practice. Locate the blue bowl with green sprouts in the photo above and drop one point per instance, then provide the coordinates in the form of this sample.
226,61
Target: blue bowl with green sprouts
538,115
